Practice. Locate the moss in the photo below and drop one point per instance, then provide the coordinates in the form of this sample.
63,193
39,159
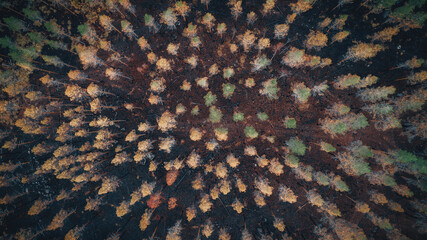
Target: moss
290,123
250,132
238,116
215,115
296,146
210,99
262,116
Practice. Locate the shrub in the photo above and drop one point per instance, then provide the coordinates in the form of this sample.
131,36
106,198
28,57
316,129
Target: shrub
290,122
250,132
172,48
163,65
208,20
238,116
405,156
202,82
360,151
292,161
190,31
168,17
379,109
263,186
334,127
263,43
340,36
221,134
359,122
322,179
215,114
270,88
210,99
320,89
182,8
249,82
260,63
195,111
281,30
386,34
327,147
376,94
14,24
262,116
339,184
195,42
228,73
166,122
251,18
294,58
247,40
296,146
412,63
316,39
192,61
235,8
221,28
346,81
128,29
143,44
363,51
267,7
228,89
301,92
418,77
338,109
149,22
352,165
